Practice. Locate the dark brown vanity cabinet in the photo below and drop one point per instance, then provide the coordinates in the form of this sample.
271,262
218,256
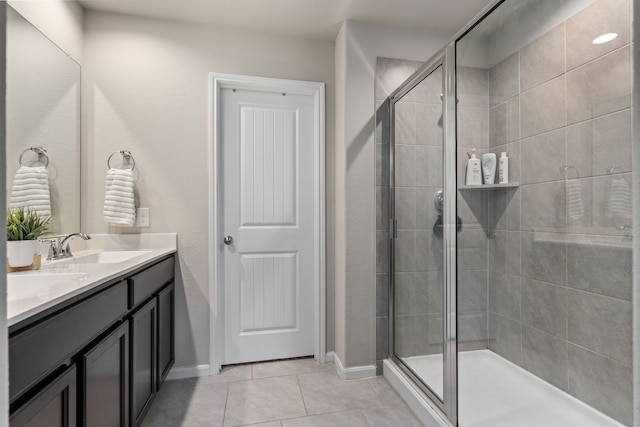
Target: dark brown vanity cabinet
53,406
97,359
152,333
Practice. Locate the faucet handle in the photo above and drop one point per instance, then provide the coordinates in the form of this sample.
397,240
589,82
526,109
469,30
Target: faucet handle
54,247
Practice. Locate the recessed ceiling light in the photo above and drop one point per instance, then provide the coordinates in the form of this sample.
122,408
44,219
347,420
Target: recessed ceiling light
605,38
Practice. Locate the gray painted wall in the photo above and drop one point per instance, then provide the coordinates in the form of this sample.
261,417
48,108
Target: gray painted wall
146,89
61,21
357,47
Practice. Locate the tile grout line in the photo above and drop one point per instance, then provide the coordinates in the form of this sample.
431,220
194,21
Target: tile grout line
226,400
304,403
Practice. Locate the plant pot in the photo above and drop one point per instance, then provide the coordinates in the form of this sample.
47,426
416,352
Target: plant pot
21,253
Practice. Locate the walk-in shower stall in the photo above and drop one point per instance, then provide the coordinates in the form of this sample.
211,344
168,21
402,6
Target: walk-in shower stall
511,304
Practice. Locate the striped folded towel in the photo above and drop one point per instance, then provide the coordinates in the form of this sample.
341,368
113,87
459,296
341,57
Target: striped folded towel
619,200
31,190
575,207
119,203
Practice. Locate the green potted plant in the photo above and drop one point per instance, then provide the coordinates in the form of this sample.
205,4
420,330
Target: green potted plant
24,227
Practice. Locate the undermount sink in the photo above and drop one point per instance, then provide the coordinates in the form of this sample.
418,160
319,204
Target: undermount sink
39,285
107,257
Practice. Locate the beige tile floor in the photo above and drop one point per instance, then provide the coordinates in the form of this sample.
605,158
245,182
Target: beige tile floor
291,393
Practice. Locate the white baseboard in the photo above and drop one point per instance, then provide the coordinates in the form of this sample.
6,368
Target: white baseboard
353,372
328,358
180,372
428,415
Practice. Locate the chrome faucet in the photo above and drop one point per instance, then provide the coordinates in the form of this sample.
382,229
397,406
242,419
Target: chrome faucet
59,246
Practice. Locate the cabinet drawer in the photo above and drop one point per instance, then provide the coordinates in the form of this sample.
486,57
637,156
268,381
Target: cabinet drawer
39,350
149,281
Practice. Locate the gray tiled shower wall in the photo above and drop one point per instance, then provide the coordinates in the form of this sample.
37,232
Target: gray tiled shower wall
539,281
559,294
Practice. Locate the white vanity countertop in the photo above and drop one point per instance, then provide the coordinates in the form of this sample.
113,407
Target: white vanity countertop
31,292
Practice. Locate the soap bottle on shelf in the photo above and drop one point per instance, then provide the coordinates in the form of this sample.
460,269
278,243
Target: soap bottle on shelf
503,168
489,168
474,171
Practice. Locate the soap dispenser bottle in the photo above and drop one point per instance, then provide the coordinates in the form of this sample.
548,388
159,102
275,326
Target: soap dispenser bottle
474,171
489,168
503,168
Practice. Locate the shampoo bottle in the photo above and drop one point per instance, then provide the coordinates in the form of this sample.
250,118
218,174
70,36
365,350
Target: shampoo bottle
503,169
474,174
489,168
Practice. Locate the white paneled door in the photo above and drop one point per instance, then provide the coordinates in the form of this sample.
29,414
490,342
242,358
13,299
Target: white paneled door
269,214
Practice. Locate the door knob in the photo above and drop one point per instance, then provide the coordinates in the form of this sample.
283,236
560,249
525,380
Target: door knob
227,240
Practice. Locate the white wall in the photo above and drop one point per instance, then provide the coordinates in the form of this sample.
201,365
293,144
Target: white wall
145,89
60,20
357,46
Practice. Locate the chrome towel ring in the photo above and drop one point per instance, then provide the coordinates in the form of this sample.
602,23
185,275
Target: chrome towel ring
41,151
126,154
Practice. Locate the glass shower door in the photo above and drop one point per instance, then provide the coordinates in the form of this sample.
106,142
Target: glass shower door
418,273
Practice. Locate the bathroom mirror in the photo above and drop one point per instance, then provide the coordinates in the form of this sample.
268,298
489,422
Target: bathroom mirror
43,110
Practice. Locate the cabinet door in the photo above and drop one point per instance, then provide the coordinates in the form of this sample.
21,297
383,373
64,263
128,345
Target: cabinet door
166,332
143,327
105,381
54,406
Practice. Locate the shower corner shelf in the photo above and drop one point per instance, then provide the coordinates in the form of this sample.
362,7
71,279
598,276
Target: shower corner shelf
489,186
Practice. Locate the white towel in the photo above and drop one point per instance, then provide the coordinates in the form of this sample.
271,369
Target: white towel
119,204
575,207
31,190
619,200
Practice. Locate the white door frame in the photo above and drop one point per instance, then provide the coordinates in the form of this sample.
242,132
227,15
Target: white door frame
217,82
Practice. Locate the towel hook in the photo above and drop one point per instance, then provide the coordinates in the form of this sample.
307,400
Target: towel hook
41,151
612,169
565,168
126,154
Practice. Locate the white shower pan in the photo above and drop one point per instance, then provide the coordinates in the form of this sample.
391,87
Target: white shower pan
493,392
